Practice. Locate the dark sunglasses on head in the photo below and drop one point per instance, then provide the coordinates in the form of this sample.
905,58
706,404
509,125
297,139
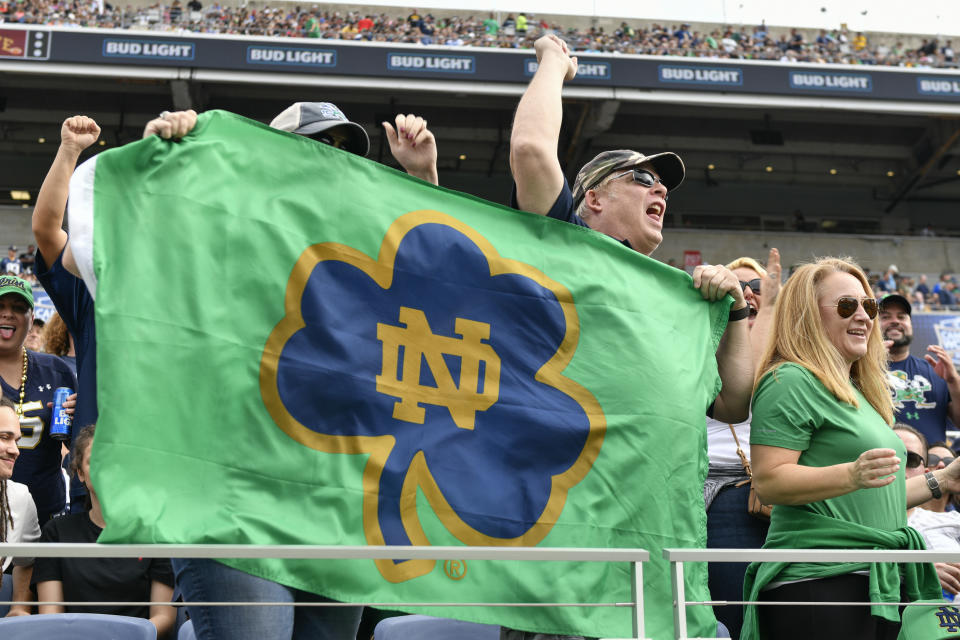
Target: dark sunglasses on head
847,306
753,284
934,460
914,460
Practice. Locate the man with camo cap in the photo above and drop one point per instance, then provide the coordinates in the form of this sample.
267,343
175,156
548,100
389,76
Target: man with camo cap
622,194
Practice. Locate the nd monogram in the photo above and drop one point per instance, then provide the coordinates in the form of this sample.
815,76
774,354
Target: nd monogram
949,618
419,343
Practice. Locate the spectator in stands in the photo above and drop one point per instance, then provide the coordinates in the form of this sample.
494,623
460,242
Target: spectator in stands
888,282
860,42
100,579
365,24
11,264
195,5
521,25
947,294
34,341
18,514
621,194
940,528
55,265
27,258
727,488
825,456
414,147
58,341
920,292
491,26
921,388
29,379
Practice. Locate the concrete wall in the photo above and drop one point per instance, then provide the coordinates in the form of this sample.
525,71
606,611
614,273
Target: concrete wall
15,228
910,254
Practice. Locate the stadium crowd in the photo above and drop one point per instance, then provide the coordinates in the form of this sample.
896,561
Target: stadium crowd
818,364
513,31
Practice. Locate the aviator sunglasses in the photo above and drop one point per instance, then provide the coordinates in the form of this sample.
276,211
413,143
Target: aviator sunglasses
934,460
641,176
753,284
847,306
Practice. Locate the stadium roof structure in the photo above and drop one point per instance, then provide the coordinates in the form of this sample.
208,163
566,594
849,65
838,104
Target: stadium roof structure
860,150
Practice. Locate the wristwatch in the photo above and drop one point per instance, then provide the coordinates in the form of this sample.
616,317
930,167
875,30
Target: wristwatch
739,314
934,484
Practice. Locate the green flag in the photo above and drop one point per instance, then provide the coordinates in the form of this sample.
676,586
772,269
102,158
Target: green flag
297,345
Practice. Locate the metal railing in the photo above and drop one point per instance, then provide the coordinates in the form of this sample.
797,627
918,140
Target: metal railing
676,558
635,557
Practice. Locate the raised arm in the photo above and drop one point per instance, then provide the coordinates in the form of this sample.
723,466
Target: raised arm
942,363
76,134
413,146
536,128
769,290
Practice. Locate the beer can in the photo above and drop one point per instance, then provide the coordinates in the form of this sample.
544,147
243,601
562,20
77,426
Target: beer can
60,429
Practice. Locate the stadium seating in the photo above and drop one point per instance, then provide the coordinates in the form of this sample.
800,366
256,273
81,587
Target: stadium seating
430,628
6,593
76,626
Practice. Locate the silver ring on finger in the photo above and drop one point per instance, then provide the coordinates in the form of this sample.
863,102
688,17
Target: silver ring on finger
164,114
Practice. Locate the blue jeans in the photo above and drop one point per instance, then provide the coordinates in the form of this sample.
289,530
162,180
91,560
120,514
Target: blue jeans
729,526
204,580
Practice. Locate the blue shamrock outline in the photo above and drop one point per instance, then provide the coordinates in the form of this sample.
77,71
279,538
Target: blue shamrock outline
379,447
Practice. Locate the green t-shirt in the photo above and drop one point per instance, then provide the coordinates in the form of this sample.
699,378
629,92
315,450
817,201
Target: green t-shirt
491,26
793,410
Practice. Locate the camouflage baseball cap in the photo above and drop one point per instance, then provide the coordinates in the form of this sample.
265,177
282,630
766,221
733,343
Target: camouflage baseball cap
668,165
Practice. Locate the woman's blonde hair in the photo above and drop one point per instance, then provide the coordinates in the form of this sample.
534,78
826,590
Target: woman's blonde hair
797,335
749,263
56,338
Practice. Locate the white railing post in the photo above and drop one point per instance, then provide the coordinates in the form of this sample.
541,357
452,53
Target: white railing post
679,601
636,591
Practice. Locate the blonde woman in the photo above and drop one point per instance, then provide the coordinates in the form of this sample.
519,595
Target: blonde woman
824,454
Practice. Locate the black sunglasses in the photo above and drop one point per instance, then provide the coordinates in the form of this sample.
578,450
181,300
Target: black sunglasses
641,176
914,460
753,284
333,141
934,460
847,306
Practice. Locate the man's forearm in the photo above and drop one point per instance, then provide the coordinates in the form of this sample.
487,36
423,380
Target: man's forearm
735,365
51,204
536,133
540,112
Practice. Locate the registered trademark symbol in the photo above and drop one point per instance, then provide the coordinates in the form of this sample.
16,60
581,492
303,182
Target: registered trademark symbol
455,569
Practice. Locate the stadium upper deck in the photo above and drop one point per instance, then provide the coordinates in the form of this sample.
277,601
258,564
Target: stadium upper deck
450,28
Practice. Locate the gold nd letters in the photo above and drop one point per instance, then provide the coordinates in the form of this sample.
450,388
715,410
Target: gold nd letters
463,400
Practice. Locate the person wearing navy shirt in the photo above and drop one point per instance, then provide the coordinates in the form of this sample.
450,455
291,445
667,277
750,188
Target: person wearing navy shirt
922,388
622,194
54,262
56,271
29,378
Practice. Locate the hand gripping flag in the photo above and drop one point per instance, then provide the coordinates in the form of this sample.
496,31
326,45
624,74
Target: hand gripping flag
300,346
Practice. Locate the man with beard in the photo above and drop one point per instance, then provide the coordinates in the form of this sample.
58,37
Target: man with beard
921,387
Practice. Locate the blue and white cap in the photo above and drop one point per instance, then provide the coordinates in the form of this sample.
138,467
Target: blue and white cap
313,118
